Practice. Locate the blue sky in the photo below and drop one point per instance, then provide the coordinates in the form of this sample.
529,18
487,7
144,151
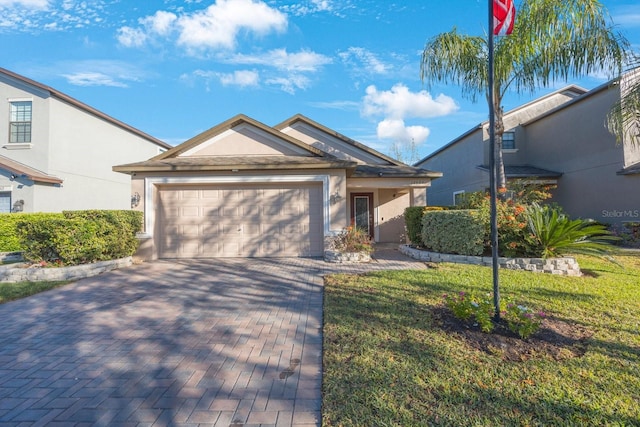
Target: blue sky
176,68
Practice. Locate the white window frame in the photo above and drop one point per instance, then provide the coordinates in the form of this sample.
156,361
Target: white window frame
455,193
514,149
18,145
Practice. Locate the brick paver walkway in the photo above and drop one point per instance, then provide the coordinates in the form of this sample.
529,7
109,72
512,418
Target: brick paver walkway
225,342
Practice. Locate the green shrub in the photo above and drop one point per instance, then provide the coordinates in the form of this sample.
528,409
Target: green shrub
454,232
555,234
9,239
79,237
132,219
116,230
413,221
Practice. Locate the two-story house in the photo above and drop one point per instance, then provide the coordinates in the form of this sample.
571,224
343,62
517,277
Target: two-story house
56,153
558,139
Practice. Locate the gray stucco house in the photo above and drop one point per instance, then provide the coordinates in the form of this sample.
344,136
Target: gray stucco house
558,139
56,153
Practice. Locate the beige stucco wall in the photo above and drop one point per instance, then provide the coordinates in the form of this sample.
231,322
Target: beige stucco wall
330,144
391,206
575,141
147,186
75,146
245,140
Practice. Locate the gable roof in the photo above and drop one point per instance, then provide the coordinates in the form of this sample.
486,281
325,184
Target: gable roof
82,106
571,102
579,91
172,160
301,118
230,124
21,170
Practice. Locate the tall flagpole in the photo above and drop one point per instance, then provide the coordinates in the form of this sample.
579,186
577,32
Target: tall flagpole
493,190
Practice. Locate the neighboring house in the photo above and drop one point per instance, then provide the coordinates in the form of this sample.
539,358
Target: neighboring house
243,188
558,139
56,153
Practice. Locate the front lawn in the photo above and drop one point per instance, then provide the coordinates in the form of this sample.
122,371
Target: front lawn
14,291
389,360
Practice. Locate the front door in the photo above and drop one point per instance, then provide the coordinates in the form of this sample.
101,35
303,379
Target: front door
362,212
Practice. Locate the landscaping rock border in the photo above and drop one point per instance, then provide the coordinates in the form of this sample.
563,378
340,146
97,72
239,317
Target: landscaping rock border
347,257
21,272
565,266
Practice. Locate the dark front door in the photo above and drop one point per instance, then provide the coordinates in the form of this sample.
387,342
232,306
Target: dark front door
362,212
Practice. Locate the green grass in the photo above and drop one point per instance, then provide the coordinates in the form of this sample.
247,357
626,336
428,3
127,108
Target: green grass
386,363
14,291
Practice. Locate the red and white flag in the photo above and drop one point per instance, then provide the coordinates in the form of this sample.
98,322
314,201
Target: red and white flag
504,15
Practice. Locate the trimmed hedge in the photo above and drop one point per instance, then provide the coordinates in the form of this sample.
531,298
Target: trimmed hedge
78,237
9,239
454,232
413,221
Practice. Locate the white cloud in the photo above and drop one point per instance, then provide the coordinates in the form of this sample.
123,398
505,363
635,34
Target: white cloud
397,105
400,103
92,79
100,73
397,130
302,61
313,6
219,24
363,60
160,23
39,15
290,84
31,4
131,37
242,78
216,27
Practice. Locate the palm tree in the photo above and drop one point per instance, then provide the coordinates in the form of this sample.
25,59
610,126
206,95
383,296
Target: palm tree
623,119
551,40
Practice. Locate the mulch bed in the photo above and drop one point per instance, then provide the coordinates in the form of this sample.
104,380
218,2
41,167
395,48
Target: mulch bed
556,338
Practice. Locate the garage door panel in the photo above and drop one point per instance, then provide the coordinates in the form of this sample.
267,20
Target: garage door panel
261,220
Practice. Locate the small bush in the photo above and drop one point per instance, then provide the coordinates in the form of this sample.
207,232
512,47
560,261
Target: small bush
464,306
352,239
520,319
454,232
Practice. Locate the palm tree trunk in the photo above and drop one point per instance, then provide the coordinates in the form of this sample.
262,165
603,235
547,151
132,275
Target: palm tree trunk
501,178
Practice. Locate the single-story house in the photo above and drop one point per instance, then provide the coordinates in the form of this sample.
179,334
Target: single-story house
245,189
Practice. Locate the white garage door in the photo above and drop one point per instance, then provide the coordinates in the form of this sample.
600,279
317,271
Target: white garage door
262,220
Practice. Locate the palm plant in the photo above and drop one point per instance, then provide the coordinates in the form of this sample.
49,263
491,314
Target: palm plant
556,234
623,119
551,40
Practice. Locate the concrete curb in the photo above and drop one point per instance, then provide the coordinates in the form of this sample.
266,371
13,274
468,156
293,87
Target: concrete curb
21,272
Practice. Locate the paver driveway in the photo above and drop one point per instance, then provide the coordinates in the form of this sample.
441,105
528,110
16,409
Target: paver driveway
225,342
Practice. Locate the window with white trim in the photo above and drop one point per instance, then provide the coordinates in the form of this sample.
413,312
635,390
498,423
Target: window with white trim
509,141
458,197
5,202
20,122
